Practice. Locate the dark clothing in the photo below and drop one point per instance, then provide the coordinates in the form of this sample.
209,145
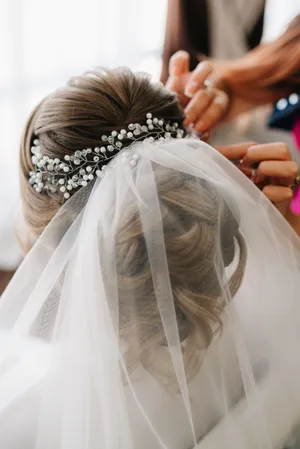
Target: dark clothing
285,112
188,28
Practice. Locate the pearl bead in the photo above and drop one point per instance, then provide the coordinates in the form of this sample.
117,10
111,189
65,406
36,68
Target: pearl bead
97,150
120,136
114,133
103,150
67,157
66,169
89,169
149,115
85,177
36,142
123,131
61,181
62,189
84,183
129,135
76,162
67,195
91,176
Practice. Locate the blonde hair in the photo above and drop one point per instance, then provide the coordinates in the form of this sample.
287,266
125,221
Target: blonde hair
76,117
198,224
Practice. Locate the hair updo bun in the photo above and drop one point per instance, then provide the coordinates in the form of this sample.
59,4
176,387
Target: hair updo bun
76,116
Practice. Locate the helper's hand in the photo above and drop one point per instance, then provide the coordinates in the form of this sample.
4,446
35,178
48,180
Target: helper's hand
204,106
270,167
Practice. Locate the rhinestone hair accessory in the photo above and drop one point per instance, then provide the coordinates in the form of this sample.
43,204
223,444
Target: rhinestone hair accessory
82,167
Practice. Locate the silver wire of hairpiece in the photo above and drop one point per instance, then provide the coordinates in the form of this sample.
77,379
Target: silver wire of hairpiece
82,167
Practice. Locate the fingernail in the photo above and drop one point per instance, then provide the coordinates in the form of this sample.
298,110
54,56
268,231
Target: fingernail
204,66
191,89
181,55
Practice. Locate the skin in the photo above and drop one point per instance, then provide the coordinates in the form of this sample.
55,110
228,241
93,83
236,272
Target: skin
206,106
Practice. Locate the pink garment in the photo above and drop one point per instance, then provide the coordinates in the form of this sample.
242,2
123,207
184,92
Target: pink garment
296,132
295,203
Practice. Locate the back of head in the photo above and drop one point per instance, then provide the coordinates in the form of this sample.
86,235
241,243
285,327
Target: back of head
198,225
77,116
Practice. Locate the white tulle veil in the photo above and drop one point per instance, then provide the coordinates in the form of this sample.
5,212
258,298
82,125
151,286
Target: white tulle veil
104,329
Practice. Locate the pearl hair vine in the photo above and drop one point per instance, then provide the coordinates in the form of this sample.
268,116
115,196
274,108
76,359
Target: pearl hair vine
78,169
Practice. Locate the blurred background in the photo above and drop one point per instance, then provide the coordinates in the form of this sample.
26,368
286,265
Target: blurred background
43,43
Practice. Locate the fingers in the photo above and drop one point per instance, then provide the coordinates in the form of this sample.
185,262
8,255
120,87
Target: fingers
214,113
179,74
271,151
274,161
277,194
285,170
235,152
197,106
197,78
280,196
179,63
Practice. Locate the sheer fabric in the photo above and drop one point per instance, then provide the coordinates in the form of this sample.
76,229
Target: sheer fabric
159,309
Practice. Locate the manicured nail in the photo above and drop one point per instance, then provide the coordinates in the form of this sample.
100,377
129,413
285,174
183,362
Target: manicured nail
191,89
204,66
181,56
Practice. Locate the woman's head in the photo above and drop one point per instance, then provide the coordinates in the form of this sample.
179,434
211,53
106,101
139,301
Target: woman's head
76,116
200,231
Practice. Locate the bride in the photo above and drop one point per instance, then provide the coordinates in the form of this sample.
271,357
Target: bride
159,308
